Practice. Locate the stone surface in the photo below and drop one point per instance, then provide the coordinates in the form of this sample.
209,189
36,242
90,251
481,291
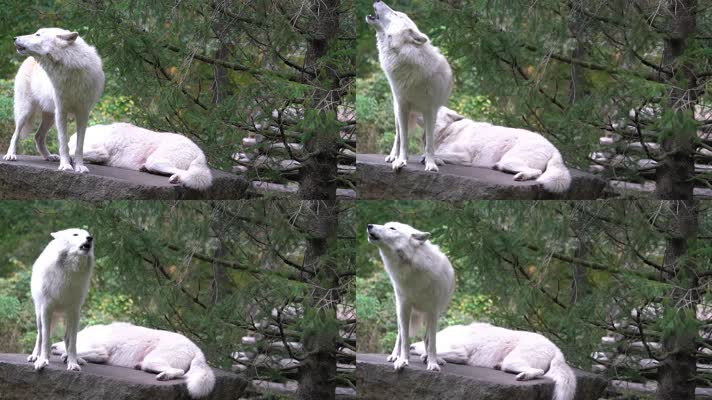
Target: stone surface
376,180
31,177
376,380
19,381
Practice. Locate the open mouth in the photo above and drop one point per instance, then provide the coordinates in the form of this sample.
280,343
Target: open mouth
20,48
372,18
85,247
372,237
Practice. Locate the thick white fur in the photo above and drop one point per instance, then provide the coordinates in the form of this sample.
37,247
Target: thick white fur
527,354
169,354
528,155
420,79
128,146
423,281
59,285
64,76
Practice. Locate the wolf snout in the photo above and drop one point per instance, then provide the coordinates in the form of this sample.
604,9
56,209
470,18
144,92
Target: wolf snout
369,226
89,239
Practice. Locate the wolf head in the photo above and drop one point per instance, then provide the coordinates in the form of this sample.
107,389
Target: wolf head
395,236
446,117
396,25
75,241
44,42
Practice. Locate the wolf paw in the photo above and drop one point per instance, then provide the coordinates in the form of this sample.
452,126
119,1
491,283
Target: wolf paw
523,376
175,178
81,169
431,166
163,376
433,366
526,176
438,161
65,167
391,358
40,363
400,364
64,357
32,358
10,157
73,366
390,158
52,157
399,163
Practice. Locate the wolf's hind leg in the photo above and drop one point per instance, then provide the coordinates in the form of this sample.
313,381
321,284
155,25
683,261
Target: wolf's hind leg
518,167
161,166
522,368
161,367
41,137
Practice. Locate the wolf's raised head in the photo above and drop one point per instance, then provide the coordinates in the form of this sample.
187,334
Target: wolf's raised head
44,42
396,25
75,241
395,236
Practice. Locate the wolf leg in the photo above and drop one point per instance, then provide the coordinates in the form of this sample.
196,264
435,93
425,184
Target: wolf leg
41,136
522,368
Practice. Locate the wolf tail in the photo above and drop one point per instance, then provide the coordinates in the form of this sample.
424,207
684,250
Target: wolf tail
200,377
563,377
197,176
556,177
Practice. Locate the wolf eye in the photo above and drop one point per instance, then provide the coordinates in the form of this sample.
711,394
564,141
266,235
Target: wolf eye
393,229
37,34
76,234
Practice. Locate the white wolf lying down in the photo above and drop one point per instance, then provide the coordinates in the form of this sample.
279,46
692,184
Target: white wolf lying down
168,354
527,354
423,281
59,285
528,155
64,76
419,75
128,146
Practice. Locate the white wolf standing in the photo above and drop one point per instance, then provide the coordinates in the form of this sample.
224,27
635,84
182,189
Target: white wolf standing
527,354
420,79
128,146
528,155
59,285
423,281
63,76
169,354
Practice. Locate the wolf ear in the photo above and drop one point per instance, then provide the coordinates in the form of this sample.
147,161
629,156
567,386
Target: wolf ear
421,236
69,37
417,37
54,235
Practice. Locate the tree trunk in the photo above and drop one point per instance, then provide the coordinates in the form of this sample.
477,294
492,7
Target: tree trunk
319,172
676,374
317,372
674,173
577,27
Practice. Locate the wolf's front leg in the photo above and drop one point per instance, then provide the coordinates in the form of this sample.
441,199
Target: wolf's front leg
401,160
38,342
396,142
43,358
70,341
65,163
430,116
404,324
430,344
79,167
396,349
